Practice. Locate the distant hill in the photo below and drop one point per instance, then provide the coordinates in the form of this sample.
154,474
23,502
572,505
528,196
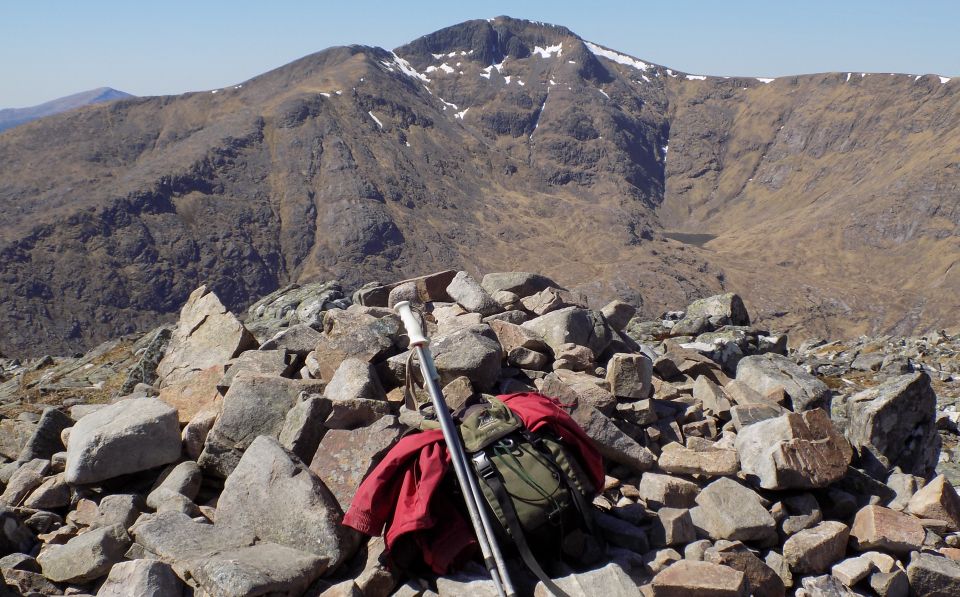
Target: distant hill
12,117
830,202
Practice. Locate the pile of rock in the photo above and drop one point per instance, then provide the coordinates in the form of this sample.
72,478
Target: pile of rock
226,460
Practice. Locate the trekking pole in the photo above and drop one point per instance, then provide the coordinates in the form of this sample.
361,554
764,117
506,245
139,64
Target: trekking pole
492,556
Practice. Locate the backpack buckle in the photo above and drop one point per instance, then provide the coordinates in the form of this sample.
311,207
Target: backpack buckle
483,465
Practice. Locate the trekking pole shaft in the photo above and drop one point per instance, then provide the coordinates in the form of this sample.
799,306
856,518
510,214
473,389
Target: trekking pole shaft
482,525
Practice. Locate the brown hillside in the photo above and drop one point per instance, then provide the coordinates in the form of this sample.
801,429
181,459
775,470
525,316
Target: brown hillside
359,163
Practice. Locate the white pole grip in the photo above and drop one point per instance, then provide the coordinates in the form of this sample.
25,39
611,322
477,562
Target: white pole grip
410,322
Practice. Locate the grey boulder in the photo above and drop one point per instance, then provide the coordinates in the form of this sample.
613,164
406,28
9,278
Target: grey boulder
770,371
129,436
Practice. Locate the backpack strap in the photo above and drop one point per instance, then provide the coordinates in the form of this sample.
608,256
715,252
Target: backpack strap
491,476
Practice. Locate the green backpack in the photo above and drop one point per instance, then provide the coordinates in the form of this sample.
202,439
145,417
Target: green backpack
537,490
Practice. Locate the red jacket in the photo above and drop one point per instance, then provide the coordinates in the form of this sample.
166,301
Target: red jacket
401,492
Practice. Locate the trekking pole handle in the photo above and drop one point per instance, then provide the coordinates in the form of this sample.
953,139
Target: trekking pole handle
412,325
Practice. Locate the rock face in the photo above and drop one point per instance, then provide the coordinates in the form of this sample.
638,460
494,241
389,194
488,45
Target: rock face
206,335
893,425
304,514
794,451
126,437
767,372
727,510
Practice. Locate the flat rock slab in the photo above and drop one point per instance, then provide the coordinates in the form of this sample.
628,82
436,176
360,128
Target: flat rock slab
768,372
194,394
659,491
794,451
261,569
688,578
711,462
612,443
346,456
302,513
609,581
86,557
176,539
129,436
727,510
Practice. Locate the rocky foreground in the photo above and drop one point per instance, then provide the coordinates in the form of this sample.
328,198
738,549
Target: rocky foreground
216,457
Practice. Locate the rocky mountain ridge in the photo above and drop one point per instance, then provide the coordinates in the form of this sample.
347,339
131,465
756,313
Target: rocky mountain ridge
144,466
11,117
489,145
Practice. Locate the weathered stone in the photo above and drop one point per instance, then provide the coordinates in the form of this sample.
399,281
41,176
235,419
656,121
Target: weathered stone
934,576
610,581
346,456
262,569
299,339
472,352
14,435
629,375
890,584
354,413
937,500
727,510
44,442
206,335
612,443
527,359
713,398
639,412
184,478
712,462
468,292
893,424
194,433
513,336
117,509
904,485
803,513
573,325
86,557
354,333
355,378
51,494
254,405
128,436
265,362
762,580
303,426
294,304
824,586
574,387
720,309
520,283
660,491
770,371
432,287
880,528
141,578
573,357
621,533
176,539
618,314
794,451
304,514
672,526
688,578
853,570
548,300
195,393
27,478
815,550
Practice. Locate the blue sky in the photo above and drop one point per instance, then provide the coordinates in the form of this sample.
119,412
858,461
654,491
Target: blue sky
49,49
